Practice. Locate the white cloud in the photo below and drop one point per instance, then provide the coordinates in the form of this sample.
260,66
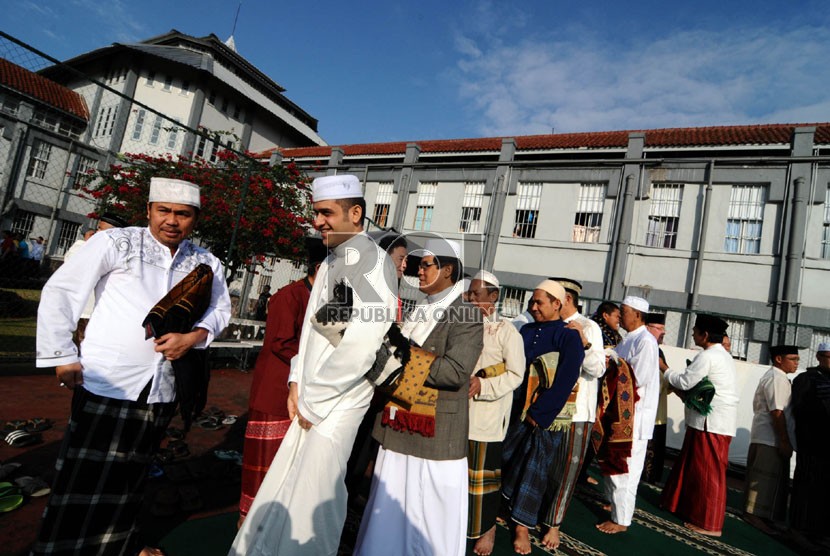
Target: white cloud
691,78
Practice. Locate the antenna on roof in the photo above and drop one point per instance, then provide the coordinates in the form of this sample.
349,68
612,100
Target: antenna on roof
230,43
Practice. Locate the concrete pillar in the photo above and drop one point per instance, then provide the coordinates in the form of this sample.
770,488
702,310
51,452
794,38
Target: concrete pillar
498,197
403,184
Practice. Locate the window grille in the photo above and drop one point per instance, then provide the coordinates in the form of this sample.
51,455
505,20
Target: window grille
156,132
39,160
738,332
84,172
588,219
106,121
139,124
426,203
201,146
67,236
513,301
746,215
382,203
23,223
664,215
173,137
471,207
529,196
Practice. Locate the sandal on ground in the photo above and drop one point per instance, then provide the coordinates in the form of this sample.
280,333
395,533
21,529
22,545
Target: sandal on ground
228,455
209,423
39,424
8,469
20,438
10,502
7,488
16,425
33,486
230,420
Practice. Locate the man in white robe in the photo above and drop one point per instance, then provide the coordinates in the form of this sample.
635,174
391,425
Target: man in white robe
301,506
639,349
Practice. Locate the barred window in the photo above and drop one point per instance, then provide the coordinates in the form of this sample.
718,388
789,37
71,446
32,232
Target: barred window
529,196
106,121
664,215
825,237
426,203
84,172
201,146
139,124
739,336
67,236
588,219
23,222
39,159
382,203
513,301
746,216
156,132
173,136
471,207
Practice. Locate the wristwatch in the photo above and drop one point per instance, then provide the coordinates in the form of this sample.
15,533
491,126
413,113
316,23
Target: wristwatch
588,345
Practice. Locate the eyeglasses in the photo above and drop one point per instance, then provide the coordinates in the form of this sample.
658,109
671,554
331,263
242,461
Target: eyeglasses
424,265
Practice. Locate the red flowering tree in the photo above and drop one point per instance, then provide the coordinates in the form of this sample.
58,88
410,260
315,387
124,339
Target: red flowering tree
273,200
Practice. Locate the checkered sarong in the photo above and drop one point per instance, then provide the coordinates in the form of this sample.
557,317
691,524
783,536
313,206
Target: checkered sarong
528,452
100,477
484,471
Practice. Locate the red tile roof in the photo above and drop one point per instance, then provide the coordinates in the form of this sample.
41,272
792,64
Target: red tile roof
764,134
36,86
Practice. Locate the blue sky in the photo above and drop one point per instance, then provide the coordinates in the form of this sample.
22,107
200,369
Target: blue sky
378,71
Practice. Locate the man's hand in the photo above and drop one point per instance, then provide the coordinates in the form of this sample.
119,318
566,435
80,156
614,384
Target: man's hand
174,346
573,325
475,387
304,423
70,375
293,398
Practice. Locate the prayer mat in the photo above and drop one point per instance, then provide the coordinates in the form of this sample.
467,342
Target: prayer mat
614,428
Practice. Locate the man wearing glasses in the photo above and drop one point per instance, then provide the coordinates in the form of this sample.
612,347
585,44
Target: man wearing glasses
770,450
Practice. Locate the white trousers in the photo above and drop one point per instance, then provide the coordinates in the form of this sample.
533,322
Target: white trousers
416,507
622,489
301,506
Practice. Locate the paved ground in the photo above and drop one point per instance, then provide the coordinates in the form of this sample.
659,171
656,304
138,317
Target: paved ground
216,483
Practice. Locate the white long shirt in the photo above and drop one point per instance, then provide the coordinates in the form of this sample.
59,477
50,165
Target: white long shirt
639,349
129,271
331,377
593,367
490,408
716,363
773,393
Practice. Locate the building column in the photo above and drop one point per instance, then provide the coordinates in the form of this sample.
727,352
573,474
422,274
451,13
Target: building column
123,112
403,184
498,199
193,120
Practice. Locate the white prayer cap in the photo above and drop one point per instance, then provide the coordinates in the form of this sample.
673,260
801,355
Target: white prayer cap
824,346
441,248
327,188
636,303
487,277
169,190
554,288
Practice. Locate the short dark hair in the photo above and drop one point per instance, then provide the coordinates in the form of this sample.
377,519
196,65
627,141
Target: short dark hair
391,242
607,307
457,267
347,204
574,296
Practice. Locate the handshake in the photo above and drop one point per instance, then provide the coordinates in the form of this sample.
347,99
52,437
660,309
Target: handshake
391,358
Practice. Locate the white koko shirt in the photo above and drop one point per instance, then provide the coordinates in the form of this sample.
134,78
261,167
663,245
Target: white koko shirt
593,368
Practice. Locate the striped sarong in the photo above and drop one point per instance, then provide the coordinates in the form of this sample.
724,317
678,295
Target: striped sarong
263,437
484,468
525,469
100,476
767,483
564,472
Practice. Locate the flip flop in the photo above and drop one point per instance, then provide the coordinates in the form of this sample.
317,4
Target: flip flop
16,425
20,438
33,486
7,488
8,469
10,502
209,423
39,424
229,420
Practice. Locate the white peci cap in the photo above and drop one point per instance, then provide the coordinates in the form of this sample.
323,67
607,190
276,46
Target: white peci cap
636,303
487,277
169,190
328,188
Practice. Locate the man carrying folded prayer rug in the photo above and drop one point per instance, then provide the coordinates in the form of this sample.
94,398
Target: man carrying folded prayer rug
418,499
124,386
696,489
553,356
770,449
498,372
639,350
300,507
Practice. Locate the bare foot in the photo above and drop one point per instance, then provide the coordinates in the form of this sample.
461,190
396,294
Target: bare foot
521,540
151,551
702,531
611,528
484,544
592,481
551,538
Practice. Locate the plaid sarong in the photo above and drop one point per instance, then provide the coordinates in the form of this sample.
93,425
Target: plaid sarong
484,471
100,476
525,469
263,437
564,472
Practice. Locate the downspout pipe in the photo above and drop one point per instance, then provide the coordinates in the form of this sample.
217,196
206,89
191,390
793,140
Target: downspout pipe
622,240
701,248
795,252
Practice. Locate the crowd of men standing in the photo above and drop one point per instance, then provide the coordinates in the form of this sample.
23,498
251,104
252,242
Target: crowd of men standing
456,414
